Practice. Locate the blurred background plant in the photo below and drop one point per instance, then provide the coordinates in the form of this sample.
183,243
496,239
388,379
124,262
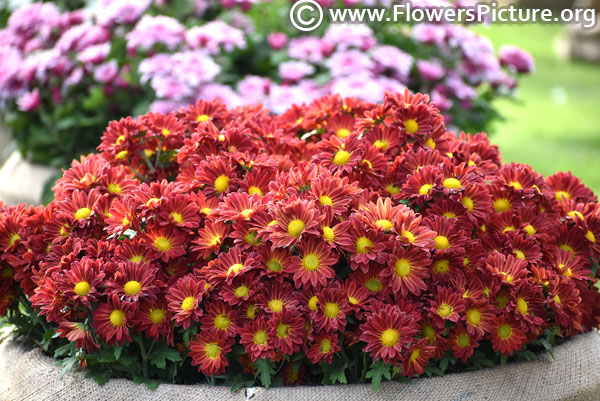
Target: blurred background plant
65,72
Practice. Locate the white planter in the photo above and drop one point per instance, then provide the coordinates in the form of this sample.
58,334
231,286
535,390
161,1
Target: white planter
23,182
574,374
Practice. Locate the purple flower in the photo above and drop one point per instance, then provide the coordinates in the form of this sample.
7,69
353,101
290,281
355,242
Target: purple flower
360,85
460,89
348,63
307,48
34,19
430,70
516,58
94,54
295,70
81,37
150,31
253,89
10,64
393,59
165,106
350,35
29,101
110,12
221,92
277,40
106,72
429,33
283,96
213,35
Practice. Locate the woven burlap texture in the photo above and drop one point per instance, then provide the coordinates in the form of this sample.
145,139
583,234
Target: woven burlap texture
574,374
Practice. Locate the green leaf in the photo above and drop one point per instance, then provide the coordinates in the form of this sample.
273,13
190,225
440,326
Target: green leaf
67,349
377,371
151,384
160,356
265,370
335,372
99,377
68,364
117,351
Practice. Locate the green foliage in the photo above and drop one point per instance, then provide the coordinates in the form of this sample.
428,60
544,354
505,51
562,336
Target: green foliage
378,371
264,371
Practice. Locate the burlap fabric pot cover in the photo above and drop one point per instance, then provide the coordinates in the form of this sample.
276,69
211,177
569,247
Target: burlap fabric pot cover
574,374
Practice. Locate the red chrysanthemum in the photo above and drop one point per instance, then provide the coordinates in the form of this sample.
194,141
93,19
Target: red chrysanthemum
506,336
386,333
209,350
112,321
256,340
407,269
314,265
184,299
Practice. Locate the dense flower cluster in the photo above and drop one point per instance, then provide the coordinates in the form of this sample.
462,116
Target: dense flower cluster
337,224
76,70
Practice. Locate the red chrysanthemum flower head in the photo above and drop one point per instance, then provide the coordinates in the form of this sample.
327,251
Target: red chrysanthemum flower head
209,350
184,299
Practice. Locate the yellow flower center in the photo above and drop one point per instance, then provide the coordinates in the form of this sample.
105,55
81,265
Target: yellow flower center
574,214
325,346
501,301
441,266
132,287
590,236
409,236
449,215
562,194
202,118
557,299
452,183
121,155
414,355
341,158
241,291
467,202
120,139
222,183
381,144
501,205
212,350
274,266
429,332
157,315
343,132
83,213
312,303
136,258
255,190
384,224
353,300
411,126
504,331
310,262
430,143
331,310
402,267
276,305
392,189
260,337
282,330
363,245
162,244
7,272
515,185
177,217
235,269
519,254
188,303
251,311
373,285
390,337
444,310
82,288
325,200
425,188
522,306
463,340
295,228
328,233
117,317
114,189
222,321
473,317
441,242
246,213
529,229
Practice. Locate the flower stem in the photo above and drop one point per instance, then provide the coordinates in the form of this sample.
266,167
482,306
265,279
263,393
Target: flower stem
140,341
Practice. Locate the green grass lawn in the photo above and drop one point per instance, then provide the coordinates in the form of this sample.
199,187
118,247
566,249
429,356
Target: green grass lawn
555,123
